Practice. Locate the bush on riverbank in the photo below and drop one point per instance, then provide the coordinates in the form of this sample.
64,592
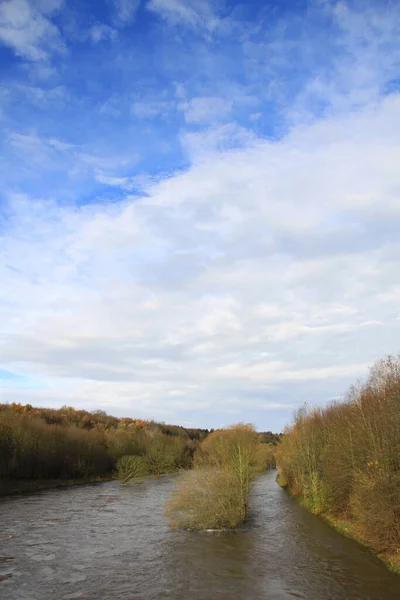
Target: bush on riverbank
215,494
129,467
344,460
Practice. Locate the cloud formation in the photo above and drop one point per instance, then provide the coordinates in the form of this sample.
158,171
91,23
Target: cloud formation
199,230
26,27
252,271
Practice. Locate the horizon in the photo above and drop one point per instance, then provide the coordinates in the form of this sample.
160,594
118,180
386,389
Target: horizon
199,212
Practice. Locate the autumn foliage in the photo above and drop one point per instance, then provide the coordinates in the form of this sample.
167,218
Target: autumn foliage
344,460
38,443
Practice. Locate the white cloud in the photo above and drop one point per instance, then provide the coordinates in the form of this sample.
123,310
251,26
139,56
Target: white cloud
125,10
44,98
195,14
100,32
216,139
53,156
110,163
281,372
42,152
112,106
150,109
367,57
267,273
25,28
205,109
47,7
126,183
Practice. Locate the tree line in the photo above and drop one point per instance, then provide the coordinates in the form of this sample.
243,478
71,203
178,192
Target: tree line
41,443
344,460
66,443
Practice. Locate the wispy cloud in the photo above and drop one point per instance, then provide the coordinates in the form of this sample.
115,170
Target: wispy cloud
196,14
100,32
205,110
150,109
27,29
125,10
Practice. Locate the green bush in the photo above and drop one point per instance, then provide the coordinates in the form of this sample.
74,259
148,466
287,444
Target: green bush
130,467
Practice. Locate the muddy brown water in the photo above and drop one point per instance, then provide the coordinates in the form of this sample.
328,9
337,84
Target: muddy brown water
109,542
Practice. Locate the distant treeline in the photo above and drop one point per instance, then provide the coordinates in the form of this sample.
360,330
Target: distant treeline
41,443
344,460
62,444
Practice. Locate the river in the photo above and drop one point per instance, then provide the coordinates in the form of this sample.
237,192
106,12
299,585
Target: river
109,542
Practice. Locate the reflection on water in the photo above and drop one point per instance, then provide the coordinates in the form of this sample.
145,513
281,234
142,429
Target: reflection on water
109,542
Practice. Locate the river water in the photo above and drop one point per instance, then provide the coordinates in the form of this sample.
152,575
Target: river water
109,542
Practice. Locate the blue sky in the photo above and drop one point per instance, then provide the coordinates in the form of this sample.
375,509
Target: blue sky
200,204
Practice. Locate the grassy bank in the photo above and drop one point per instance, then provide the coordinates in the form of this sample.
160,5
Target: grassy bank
347,528
343,462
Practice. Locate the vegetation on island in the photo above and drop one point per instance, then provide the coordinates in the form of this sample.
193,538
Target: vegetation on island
215,494
344,461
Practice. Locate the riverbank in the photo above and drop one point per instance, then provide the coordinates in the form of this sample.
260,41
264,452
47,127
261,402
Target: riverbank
349,529
10,488
346,527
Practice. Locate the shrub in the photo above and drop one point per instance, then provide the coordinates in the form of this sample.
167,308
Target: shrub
215,495
130,467
206,499
158,457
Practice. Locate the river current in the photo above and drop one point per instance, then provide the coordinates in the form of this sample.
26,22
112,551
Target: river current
110,542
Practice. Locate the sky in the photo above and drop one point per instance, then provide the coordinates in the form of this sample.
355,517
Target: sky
199,204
